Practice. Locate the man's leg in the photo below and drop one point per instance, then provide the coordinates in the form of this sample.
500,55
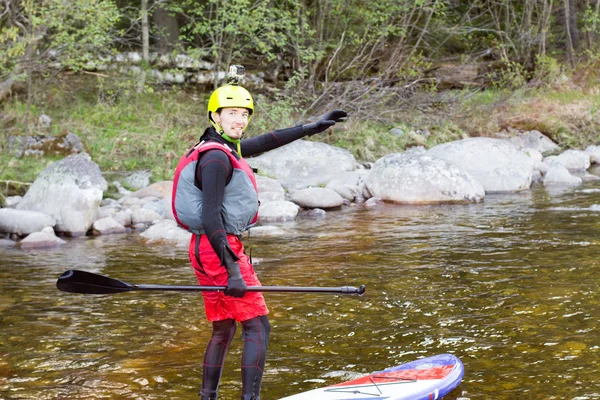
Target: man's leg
256,340
216,351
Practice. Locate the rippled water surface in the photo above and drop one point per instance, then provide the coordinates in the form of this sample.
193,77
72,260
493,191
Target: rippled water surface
511,286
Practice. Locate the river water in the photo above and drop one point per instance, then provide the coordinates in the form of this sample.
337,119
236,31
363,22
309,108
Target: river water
509,285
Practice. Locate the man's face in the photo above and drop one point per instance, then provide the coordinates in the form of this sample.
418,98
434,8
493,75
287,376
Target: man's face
232,120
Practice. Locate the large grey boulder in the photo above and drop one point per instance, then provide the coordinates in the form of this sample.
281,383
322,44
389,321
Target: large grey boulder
301,163
23,222
108,225
534,140
560,176
317,198
167,231
277,211
421,179
37,240
573,160
347,185
594,153
498,165
70,191
269,189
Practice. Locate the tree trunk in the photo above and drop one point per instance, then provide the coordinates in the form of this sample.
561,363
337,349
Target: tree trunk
145,32
145,46
574,30
167,30
570,54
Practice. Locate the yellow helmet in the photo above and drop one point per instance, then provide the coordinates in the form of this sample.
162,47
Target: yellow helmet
229,96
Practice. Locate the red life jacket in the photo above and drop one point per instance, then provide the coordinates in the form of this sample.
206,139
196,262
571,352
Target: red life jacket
240,202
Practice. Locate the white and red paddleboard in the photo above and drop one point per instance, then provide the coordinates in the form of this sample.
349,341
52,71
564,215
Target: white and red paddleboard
425,379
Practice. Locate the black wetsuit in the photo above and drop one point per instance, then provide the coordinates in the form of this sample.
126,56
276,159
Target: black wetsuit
214,171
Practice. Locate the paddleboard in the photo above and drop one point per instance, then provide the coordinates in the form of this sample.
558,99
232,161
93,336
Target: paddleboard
429,378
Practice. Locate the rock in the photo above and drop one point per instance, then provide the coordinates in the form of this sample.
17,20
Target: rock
397,132
144,216
534,154
277,211
138,180
12,201
108,202
123,217
156,206
129,201
7,243
559,175
373,202
44,121
498,165
590,178
76,221
573,160
68,189
108,211
160,189
265,197
313,213
269,189
38,240
167,230
302,163
594,153
23,222
421,179
534,140
107,226
346,185
266,230
62,144
347,192
540,166
317,198
266,184
168,209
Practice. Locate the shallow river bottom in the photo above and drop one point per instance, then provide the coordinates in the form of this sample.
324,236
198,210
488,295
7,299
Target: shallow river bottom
510,286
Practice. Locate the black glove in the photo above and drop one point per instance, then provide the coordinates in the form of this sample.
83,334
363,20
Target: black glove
335,115
325,122
236,286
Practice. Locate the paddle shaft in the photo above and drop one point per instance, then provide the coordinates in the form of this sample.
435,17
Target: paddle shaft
285,289
76,281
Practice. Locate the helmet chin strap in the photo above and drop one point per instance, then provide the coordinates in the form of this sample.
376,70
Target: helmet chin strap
230,140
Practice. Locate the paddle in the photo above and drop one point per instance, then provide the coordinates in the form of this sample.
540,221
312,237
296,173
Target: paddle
76,281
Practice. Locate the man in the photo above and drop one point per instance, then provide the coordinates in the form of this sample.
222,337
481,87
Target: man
215,197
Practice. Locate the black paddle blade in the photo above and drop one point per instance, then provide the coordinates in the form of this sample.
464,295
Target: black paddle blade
75,281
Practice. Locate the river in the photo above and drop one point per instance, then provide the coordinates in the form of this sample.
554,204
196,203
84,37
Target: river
509,285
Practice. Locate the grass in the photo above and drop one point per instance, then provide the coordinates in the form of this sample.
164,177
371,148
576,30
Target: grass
125,131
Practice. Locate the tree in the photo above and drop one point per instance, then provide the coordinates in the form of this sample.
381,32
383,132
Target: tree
38,37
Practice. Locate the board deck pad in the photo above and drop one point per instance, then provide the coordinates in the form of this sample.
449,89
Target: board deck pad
429,378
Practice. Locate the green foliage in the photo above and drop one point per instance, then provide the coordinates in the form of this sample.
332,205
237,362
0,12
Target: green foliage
512,77
230,29
548,69
54,31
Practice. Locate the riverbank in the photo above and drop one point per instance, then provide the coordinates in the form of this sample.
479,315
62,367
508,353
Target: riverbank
125,132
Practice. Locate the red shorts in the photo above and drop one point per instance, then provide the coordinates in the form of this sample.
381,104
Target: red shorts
211,273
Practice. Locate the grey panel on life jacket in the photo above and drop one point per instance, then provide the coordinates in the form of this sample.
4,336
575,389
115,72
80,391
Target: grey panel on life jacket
240,202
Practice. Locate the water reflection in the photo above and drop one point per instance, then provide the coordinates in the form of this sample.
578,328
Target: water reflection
508,285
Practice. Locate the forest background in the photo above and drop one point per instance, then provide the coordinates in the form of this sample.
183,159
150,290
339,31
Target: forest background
409,72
